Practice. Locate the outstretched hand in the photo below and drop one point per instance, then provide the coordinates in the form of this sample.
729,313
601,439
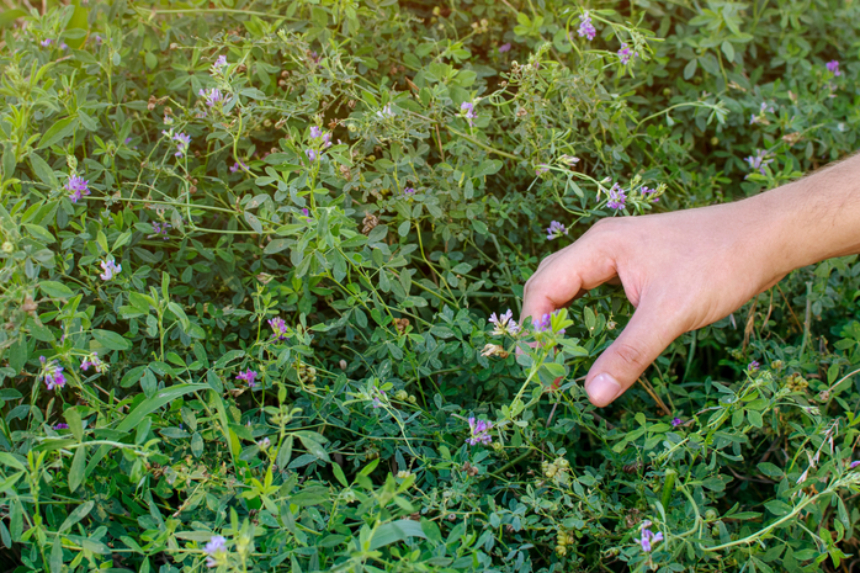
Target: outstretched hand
681,270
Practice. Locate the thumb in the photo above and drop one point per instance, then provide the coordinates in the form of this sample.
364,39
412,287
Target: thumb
647,335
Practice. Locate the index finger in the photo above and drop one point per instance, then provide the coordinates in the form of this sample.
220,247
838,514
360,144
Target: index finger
570,272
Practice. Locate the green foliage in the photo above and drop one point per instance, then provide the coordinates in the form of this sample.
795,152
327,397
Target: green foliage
339,439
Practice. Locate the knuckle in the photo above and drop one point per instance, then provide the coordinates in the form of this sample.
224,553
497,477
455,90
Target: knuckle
632,354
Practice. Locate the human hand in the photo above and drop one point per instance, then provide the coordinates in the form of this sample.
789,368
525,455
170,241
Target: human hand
681,270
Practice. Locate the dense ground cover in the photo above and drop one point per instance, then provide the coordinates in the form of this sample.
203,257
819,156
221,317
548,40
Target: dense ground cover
250,250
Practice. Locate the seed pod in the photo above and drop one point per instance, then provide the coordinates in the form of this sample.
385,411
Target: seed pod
632,468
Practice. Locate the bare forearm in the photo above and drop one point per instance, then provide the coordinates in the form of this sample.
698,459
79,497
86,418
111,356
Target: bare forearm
814,218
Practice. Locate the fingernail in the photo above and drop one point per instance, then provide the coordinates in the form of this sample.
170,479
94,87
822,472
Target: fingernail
603,389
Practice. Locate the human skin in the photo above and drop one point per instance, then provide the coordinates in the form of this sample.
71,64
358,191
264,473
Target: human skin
687,269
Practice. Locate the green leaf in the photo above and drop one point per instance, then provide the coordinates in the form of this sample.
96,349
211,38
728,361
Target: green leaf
395,531
73,418
57,131
314,447
339,475
8,459
55,290
728,50
78,514
150,405
690,69
43,171
111,340
76,472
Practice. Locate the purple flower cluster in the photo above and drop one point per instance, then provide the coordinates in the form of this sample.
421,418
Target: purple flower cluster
216,547
753,366
213,96
469,108
182,142
649,191
409,191
625,54
504,323
111,269
586,28
312,155
759,161
505,48
833,67
306,212
47,42
480,432
542,168
237,165
280,327
61,426
544,324
95,362
161,229
617,197
676,422
648,538
219,63
78,187
555,230
854,464
52,373
247,376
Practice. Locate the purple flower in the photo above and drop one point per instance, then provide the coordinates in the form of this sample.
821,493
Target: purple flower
676,422
214,549
280,328
98,39
555,230
161,229
61,426
312,155
504,323
545,324
63,46
212,96
617,197
219,63
648,191
377,400
326,138
235,167
480,430
409,191
833,66
78,186
53,374
586,28
469,108
182,142
247,376
854,464
46,42
541,169
306,212
110,269
625,53
649,538
759,161
505,48
753,366
315,132
94,361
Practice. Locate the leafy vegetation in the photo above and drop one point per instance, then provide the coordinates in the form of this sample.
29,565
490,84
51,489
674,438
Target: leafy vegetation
250,251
